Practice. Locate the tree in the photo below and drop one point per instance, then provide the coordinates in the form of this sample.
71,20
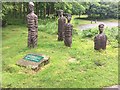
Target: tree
78,8
6,8
102,10
65,6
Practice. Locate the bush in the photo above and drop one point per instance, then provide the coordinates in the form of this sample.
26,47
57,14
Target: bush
75,31
112,33
89,33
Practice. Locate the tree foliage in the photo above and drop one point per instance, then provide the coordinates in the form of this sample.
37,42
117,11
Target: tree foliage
102,10
46,9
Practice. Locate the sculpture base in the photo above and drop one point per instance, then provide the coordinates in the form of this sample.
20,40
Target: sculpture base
34,61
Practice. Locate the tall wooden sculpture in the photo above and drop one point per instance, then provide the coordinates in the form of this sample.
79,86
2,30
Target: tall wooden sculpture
32,22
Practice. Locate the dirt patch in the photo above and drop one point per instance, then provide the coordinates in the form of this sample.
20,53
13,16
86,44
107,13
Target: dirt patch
72,60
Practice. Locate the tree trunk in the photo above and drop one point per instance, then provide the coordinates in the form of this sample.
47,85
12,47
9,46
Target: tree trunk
27,9
48,11
45,11
23,10
37,7
79,14
20,9
38,12
52,8
14,10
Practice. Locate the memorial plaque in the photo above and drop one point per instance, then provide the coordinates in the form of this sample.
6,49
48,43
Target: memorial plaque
34,58
34,61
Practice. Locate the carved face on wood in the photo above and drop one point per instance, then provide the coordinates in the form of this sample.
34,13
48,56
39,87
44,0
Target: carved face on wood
61,13
31,6
69,16
101,28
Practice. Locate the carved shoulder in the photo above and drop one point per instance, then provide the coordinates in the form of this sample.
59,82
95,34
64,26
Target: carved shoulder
64,18
35,16
71,25
28,15
105,37
95,37
65,24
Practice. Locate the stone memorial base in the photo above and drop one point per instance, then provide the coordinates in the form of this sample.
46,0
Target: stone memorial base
34,62
115,87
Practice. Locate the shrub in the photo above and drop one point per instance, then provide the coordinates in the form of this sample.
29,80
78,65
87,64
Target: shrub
89,33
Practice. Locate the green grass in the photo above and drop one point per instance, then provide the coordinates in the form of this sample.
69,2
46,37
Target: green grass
110,20
77,22
60,72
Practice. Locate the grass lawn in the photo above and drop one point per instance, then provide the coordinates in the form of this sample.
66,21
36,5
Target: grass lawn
73,67
110,20
76,21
